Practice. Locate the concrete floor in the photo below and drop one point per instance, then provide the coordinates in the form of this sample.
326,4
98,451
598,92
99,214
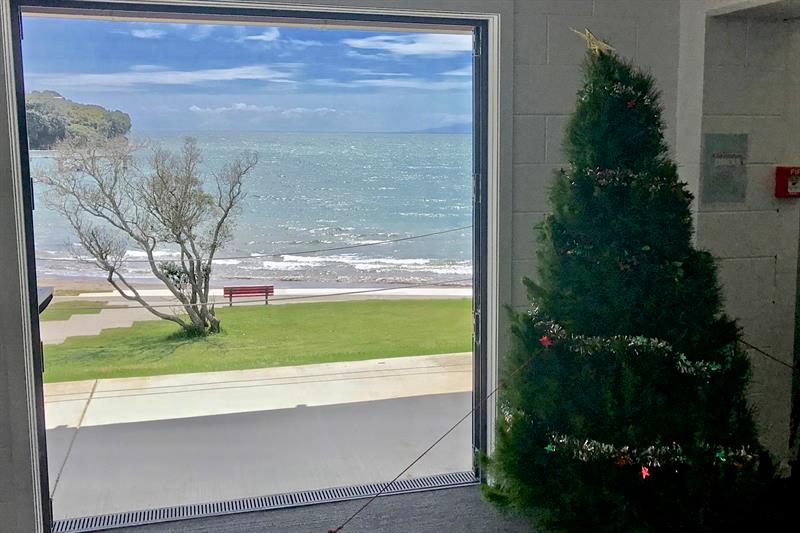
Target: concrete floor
458,510
138,443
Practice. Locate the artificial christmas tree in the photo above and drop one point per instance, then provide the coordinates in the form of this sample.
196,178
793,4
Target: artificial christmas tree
623,405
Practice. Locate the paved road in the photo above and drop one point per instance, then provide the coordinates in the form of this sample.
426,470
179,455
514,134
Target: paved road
137,443
123,467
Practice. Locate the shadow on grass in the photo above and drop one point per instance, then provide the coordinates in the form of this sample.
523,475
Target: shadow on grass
144,349
180,338
185,335
141,349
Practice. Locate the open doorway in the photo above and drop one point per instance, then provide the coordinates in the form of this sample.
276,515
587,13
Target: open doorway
383,255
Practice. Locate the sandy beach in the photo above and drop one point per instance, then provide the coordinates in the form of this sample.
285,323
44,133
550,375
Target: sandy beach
73,286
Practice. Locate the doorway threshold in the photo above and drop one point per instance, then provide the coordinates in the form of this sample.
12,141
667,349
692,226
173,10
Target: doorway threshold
261,503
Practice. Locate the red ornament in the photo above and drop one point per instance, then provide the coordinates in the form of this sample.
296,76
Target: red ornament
546,342
645,472
631,104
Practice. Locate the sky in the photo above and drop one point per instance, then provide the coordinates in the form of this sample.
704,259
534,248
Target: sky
188,77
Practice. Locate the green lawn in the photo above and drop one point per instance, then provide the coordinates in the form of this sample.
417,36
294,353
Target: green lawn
266,336
64,310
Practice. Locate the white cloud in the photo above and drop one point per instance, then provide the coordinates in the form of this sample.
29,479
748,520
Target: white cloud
422,44
234,107
271,37
393,80
200,31
330,82
132,77
302,44
306,111
191,32
415,83
358,55
268,36
369,72
146,68
148,33
464,71
291,112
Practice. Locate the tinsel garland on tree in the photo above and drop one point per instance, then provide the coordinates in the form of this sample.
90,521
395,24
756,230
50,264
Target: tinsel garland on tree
587,450
621,347
624,405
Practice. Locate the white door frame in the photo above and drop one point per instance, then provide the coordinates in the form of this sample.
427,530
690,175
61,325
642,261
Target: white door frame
19,330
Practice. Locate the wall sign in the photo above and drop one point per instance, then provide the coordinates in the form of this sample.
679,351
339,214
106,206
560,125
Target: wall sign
724,168
787,182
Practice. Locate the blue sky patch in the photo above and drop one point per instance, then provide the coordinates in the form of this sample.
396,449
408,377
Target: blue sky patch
186,77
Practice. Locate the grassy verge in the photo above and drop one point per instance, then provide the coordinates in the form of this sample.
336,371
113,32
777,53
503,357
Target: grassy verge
64,310
267,336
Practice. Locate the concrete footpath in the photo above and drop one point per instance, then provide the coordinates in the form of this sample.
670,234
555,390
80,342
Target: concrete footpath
135,443
57,331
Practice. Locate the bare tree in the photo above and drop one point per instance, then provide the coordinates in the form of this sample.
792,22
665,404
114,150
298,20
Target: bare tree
112,202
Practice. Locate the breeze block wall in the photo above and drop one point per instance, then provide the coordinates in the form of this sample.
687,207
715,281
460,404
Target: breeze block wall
547,74
752,87
747,83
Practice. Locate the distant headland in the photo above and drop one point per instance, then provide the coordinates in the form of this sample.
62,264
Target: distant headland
52,118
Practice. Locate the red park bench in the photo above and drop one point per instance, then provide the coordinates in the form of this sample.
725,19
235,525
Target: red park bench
249,290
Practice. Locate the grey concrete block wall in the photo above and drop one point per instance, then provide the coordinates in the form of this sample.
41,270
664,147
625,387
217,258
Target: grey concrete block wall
547,75
748,88
751,87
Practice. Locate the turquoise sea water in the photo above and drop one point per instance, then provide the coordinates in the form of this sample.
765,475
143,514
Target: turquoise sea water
322,190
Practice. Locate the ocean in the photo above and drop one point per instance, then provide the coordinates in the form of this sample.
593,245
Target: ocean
312,191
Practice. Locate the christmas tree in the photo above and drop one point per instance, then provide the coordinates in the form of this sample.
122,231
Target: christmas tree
624,404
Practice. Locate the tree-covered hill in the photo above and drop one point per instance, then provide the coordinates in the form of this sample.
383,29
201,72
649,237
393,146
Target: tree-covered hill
52,118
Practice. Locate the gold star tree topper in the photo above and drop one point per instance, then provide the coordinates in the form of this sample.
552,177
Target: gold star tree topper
593,43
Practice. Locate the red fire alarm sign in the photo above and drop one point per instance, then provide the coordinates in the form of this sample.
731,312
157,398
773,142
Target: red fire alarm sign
787,182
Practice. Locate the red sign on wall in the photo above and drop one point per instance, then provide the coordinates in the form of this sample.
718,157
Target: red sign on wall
787,182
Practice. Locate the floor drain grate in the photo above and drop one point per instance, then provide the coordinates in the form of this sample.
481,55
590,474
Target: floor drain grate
260,503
